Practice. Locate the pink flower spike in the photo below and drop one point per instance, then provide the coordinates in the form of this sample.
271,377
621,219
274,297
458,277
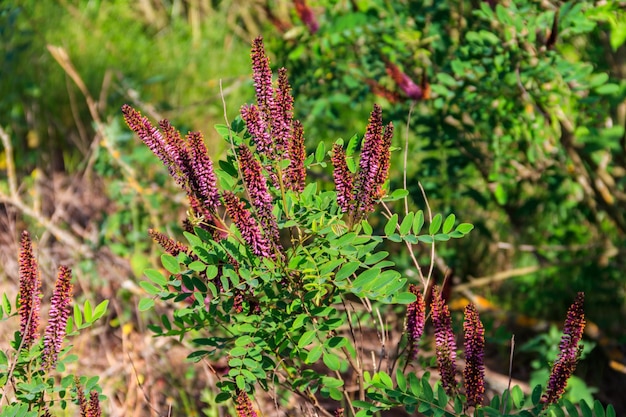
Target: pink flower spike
30,292
445,344
415,321
343,178
474,372
247,225
57,322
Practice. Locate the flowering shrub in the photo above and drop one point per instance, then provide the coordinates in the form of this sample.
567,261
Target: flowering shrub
282,278
29,384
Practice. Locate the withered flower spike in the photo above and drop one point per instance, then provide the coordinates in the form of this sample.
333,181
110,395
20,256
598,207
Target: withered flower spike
474,372
445,344
57,322
570,350
30,292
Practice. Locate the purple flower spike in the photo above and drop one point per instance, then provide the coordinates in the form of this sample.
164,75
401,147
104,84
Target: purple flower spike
415,320
262,75
94,405
59,312
474,372
296,172
258,129
259,194
30,292
445,344
247,226
243,405
149,134
170,245
570,350
282,114
203,180
344,181
374,163
177,152
307,16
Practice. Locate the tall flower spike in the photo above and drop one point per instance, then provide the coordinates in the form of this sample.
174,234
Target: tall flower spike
344,181
59,312
307,16
259,194
258,129
282,114
170,245
415,320
149,135
30,292
262,76
248,227
94,405
296,172
177,152
367,181
474,372
570,350
383,168
202,178
243,405
445,344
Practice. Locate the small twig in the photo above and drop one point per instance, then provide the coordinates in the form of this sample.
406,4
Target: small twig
145,395
406,157
432,246
508,390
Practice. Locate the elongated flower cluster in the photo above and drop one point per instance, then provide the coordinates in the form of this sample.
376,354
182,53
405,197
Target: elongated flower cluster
57,322
247,225
270,122
474,372
187,160
305,13
88,408
415,320
260,197
406,84
570,350
344,180
243,405
445,344
170,245
30,292
357,195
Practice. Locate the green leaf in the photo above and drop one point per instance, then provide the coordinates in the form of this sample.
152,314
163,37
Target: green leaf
441,237
518,396
320,152
598,409
435,224
78,317
407,222
306,338
148,287
404,298
346,270
390,228
314,354
6,304
418,222
610,411
367,229
145,304
608,89
584,408
170,263
414,383
240,380
428,390
155,276
397,195
366,277
536,395
449,223
87,311
400,380
442,398
331,361
464,228
446,79
572,411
